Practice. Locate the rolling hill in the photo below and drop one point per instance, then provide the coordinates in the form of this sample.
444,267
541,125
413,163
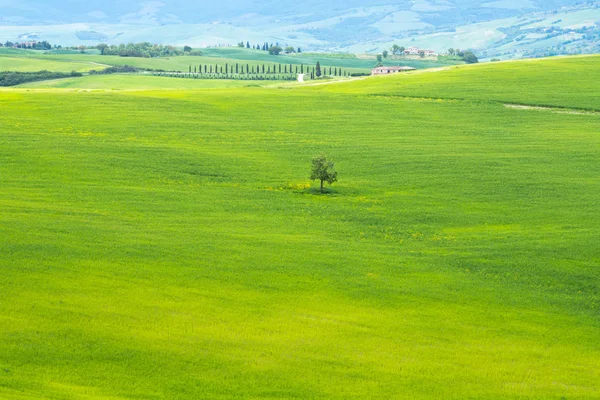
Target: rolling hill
504,28
166,243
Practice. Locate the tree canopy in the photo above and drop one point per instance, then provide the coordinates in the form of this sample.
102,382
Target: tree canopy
323,170
275,50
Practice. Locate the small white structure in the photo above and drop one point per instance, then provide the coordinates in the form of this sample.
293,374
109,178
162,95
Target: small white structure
412,51
415,51
390,70
301,78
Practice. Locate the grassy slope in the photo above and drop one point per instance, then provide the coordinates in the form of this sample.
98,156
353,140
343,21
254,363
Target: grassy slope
24,64
164,244
566,82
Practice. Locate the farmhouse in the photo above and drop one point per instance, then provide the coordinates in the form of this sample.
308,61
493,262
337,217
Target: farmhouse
412,51
390,70
415,51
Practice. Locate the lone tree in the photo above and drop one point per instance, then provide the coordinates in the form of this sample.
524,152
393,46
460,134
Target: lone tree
323,170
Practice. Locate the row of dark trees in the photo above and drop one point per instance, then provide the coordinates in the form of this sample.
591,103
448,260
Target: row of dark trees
43,45
240,77
247,69
119,69
230,76
272,48
17,78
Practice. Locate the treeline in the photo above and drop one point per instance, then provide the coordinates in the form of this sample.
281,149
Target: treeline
122,69
43,45
10,78
145,50
271,48
126,69
268,69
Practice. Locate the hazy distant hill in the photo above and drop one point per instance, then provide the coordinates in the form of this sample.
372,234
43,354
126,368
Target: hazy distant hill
356,25
434,12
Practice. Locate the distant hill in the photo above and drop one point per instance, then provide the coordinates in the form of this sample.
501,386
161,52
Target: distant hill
505,28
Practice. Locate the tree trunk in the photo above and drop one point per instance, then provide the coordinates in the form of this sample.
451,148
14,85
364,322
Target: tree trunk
321,186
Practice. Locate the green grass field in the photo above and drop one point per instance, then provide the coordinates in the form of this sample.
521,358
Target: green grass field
166,244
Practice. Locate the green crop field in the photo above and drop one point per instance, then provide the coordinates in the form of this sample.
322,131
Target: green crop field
167,244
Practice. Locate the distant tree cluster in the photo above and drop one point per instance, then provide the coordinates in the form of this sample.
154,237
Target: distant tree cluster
43,45
275,50
467,56
397,50
121,69
146,50
272,48
17,78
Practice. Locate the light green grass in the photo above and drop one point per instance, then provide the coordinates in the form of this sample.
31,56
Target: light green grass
140,82
22,64
164,244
